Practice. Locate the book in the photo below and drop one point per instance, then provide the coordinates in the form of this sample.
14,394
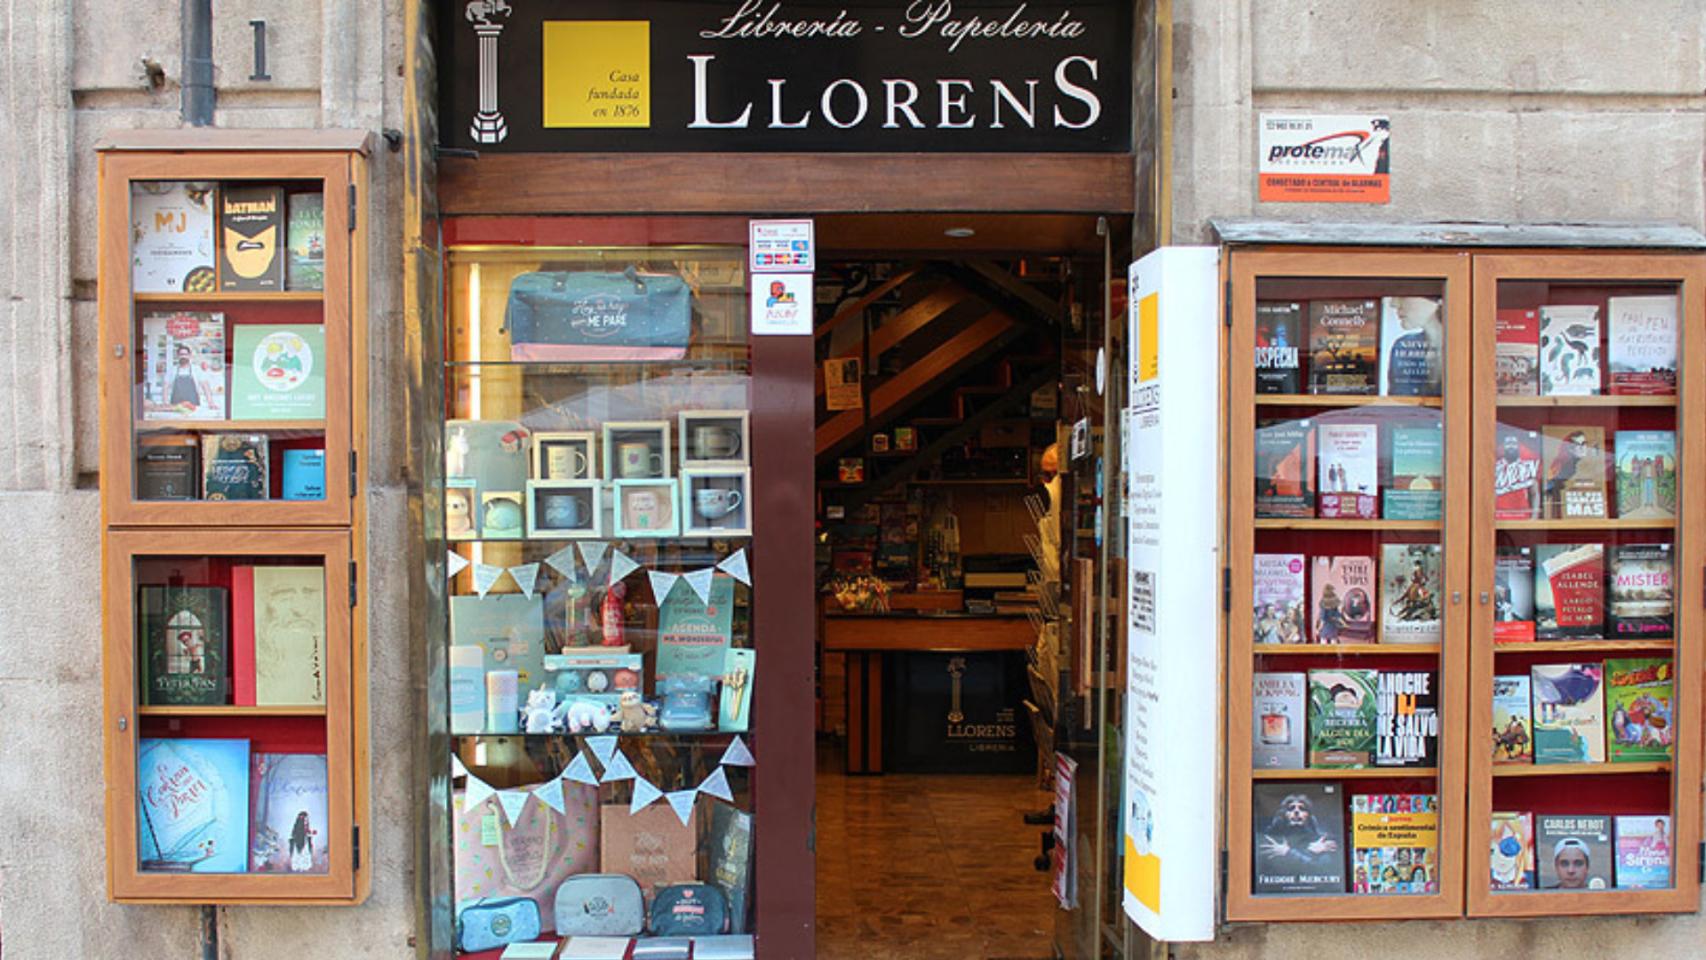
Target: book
1344,344
1277,722
1513,723
1410,600
1406,725
166,466
1285,469
234,466
1569,591
1412,340
1395,843
1641,344
251,228
192,798
288,813
1575,473
1643,852
1573,851
1646,474
693,636
1640,601
1414,490
729,863
509,629
1569,713
1279,332
1640,703
278,371
595,948
1569,350
289,624
1516,474
171,236
1511,851
304,474
1299,838
183,366
532,950
1342,600
1277,596
726,947
243,635
653,846
1348,470
305,264
185,645
1516,352
1342,717
1513,595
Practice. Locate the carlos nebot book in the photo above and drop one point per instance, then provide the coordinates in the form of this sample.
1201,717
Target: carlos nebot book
1573,851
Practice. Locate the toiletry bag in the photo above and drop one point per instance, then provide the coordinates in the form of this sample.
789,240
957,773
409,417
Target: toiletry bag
600,905
689,909
487,924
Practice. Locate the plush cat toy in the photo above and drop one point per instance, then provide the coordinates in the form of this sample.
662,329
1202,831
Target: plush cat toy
540,714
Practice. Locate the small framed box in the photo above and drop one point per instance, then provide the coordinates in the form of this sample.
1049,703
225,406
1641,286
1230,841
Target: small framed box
461,498
636,450
716,501
500,515
565,509
714,438
570,455
647,508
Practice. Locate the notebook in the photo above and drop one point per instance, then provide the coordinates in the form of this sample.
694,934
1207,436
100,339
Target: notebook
595,948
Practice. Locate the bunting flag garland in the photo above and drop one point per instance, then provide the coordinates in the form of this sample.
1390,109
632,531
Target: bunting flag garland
580,771
602,748
737,755
526,575
477,793
717,785
735,566
551,794
486,577
592,553
621,565
700,581
644,795
662,584
456,767
563,561
618,768
513,802
681,801
456,562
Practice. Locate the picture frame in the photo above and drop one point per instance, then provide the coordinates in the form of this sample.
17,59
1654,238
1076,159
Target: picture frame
622,442
461,509
646,509
554,455
501,514
715,438
564,509
716,501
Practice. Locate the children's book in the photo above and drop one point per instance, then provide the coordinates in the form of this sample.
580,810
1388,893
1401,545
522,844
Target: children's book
1348,470
1285,469
1516,475
185,645
288,830
1641,601
1574,488
1344,346
1342,718
1298,838
1512,851
1395,843
1415,487
1643,852
1646,474
1277,593
1279,332
183,366
1569,351
1641,344
278,371
1569,713
1410,601
1513,595
1573,851
192,800
1516,356
1412,341
1569,591
1513,723
1342,600
1278,723
1640,704
1407,718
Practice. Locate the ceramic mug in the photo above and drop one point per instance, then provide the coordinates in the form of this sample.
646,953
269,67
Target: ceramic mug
564,462
561,511
635,459
714,503
714,442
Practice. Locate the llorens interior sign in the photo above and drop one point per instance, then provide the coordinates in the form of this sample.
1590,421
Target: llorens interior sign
786,75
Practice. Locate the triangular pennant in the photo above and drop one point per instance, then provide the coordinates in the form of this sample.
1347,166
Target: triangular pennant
580,771
526,575
621,565
513,802
681,801
456,767
563,561
700,581
486,577
735,566
477,793
717,785
618,768
456,562
662,584
551,794
737,755
644,795
592,553
602,748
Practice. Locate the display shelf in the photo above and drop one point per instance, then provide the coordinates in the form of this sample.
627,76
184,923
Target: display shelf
1318,523
1598,400
233,296
230,426
1342,400
1605,524
231,711
1353,773
1586,646
1577,769
1347,649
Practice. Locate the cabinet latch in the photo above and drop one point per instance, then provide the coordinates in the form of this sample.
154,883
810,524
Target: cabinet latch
352,208
352,592
355,847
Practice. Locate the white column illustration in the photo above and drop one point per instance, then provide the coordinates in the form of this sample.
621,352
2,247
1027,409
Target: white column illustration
488,125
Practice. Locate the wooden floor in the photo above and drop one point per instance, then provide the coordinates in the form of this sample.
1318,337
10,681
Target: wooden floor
914,867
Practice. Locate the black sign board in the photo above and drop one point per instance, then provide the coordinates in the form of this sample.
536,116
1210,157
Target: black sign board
963,76
957,713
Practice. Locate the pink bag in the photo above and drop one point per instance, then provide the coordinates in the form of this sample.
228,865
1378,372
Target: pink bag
528,859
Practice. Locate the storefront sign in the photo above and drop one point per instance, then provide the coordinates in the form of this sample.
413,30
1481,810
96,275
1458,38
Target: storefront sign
781,246
787,75
1325,159
781,303
1172,702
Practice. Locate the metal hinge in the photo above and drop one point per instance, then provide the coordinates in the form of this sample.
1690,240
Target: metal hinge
1226,589
352,584
1226,314
1223,863
355,846
352,208
352,475
1700,861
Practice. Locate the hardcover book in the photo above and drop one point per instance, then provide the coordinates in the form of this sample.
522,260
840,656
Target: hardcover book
234,466
1641,602
1516,475
1641,344
1342,601
1646,474
278,371
171,236
192,799
1278,721
1342,718
1512,851
304,474
1410,593
1573,850
185,645
166,466
1640,698
1575,473
288,813
1279,331
251,235
1348,472
1406,719
693,637
1569,713
1513,723
1516,357
1277,594
1395,843
1299,838
1344,346
1513,595
305,268
183,366
1412,340
1415,488
1643,852
288,620
1569,351
509,629
1285,469
1569,591
730,862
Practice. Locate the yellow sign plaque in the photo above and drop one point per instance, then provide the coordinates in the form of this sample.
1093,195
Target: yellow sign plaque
598,73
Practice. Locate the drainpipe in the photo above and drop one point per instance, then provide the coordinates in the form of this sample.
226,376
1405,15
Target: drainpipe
198,62
209,932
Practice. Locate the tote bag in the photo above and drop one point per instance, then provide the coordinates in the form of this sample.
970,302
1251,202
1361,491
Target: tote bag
530,858
586,316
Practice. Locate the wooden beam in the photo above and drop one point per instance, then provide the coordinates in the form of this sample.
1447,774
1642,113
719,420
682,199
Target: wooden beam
909,321
999,279
863,301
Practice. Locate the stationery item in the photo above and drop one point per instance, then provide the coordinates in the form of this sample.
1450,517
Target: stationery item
251,238
595,948
1512,851
192,800
1278,340
1412,343
1574,851
1278,728
600,904
530,855
183,366
533,950
1516,354
167,466
304,474
1569,713
663,948
503,706
490,923
1641,346
1513,724
305,267
289,826
651,845
171,236
724,947
734,714
467,689
1643,852
184,645
694,636
587,316
688,909
234,466
1569,350
278,371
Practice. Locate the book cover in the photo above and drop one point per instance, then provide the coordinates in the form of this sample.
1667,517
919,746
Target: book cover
278,371
1285,469
243,635
1410,593
1569,713
693,637
288,813
1641,598
290,636
234,466
1516,354
1279,331
1640,699
1412,341
1643,852
730,861
1569,591
171,236
1641,344
1342,600
1513,723
1513,595
1573,851
1516,475
509,629
1299,838
185,645
1277,595
183,366
1406,727
1278,724
1395,843
251,228
1512,851
305,266
166,466
1348,470
653,846
1575,473
1646,474
1415,488
1569,351
1344,345
304,474
192,799
1342,717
